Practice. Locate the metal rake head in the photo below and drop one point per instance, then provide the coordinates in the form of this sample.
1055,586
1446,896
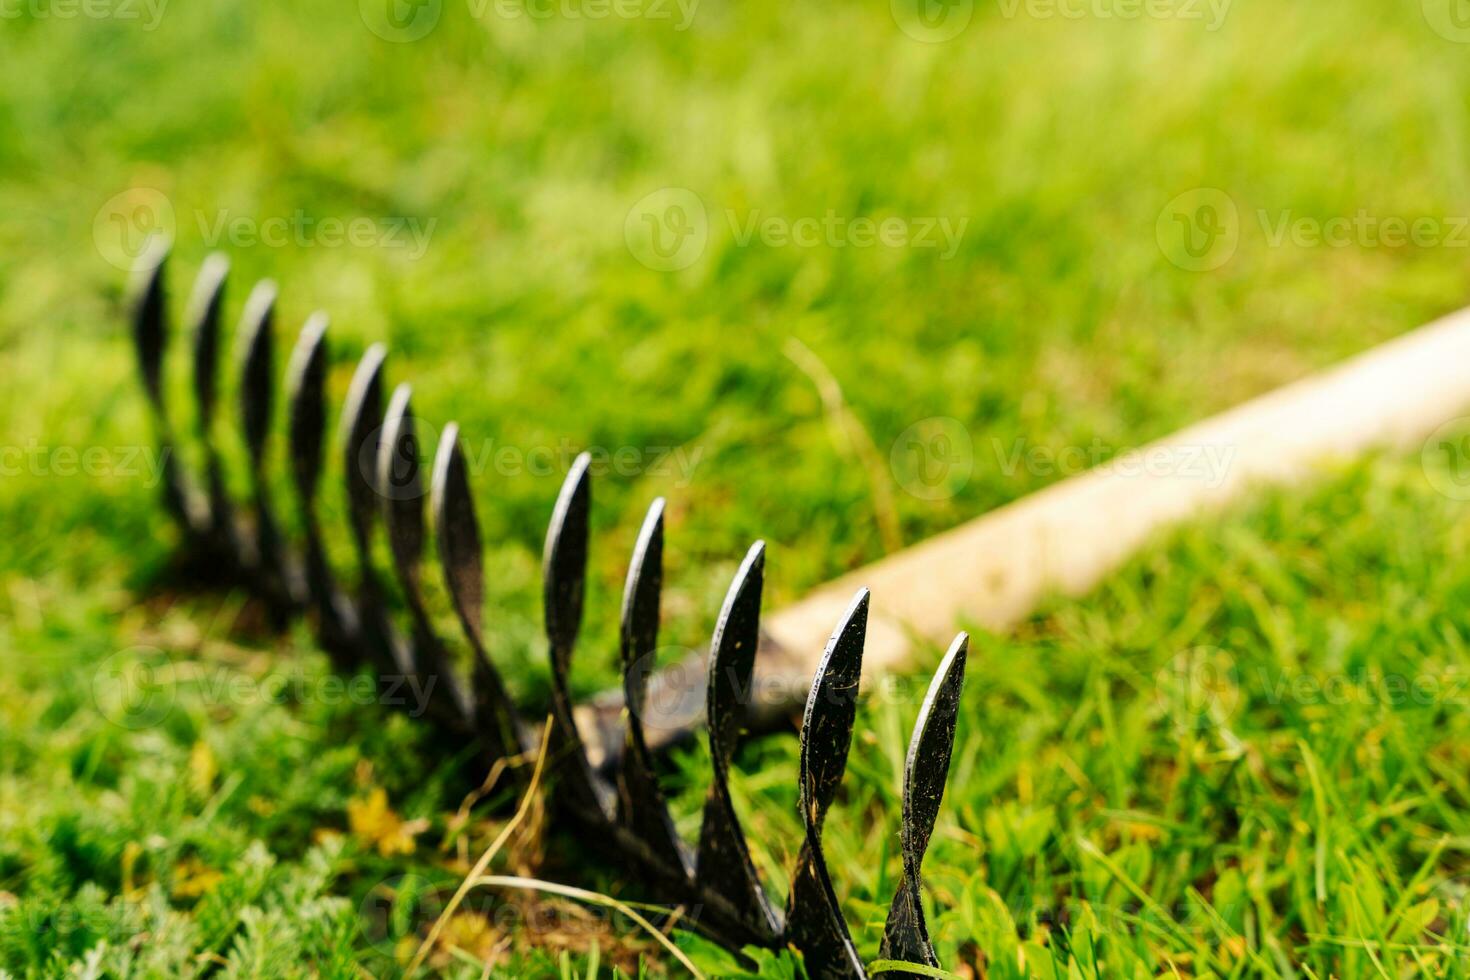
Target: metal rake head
359,628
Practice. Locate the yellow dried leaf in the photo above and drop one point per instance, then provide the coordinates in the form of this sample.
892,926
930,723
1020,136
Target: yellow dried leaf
193,878
202,769
374,821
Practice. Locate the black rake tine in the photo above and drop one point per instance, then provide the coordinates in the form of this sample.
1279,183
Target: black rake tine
359,430
206,304
149,297
724,867
361,425
256,357
399,480
641,805
306,378
906,933
564,576
814,922
256,353
457,534
149,307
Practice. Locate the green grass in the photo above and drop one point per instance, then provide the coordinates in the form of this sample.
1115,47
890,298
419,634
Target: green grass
1274,834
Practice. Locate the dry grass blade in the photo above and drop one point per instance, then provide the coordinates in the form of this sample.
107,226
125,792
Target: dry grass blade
487,857
593,898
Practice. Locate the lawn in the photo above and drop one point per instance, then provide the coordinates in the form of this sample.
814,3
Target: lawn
493,201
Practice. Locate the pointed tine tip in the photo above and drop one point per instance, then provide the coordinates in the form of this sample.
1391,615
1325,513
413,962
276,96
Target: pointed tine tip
150,263
396,418
146,302
400,489
316,326
649,547
305,380
857,610
456,531
831,707
208,284
366,380
260,303
305,357
643,588
732,654
446,458
749,575
564,561
927,767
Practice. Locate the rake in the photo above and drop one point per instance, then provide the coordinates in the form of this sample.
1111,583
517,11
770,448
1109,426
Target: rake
617,795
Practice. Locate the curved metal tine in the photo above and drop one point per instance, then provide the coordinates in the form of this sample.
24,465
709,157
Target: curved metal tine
814,922
564,574
256,354
457,534
641,806
206,303
399,481
906,934
306,378
149,302
724,867
360,426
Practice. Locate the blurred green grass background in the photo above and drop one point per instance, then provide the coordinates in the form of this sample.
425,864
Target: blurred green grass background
525,146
